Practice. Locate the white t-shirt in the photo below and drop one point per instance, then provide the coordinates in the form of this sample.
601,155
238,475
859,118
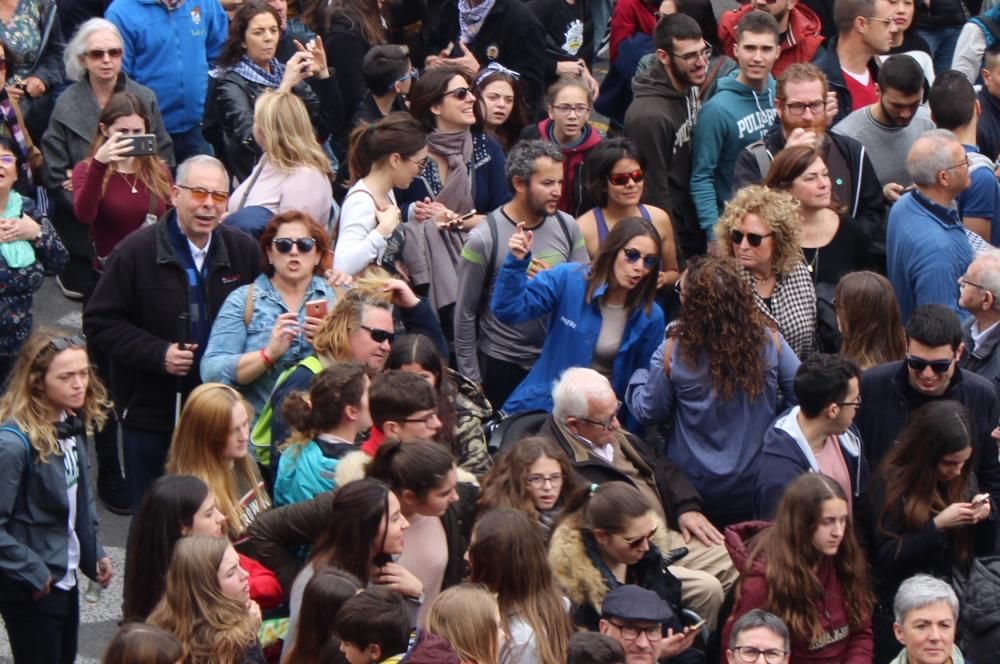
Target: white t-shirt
71,463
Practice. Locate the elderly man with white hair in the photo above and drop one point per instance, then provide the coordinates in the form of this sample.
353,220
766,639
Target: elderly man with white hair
926,244
926,612
979,294
584,422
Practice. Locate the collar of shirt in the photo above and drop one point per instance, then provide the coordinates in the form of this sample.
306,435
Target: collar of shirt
947,215
979,336
198,255
605,452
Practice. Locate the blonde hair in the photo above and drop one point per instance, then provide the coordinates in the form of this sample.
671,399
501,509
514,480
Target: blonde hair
25,404
286,133
212,628
332,339
196,449
778,211
467,616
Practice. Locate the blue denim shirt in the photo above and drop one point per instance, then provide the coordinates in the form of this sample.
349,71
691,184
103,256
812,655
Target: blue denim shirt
231,338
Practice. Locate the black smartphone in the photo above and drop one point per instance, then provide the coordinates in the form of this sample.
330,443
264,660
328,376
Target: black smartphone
142,145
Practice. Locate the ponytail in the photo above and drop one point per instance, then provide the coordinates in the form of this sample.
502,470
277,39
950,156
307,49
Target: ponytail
397,133
332,391
417,466
606,506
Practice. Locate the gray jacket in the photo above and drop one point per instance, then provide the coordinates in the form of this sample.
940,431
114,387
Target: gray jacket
984,358
33,515
73,127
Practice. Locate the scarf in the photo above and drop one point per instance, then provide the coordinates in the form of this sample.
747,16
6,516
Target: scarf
251,72
17,253
470,19
456,148
13,125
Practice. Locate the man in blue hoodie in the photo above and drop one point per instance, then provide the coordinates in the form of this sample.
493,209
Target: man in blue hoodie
169,47
816,436
740,113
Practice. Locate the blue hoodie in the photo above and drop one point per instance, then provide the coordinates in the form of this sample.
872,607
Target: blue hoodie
734,118
170,52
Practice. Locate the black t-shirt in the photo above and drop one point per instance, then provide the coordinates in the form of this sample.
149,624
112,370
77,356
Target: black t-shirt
569,29
846,252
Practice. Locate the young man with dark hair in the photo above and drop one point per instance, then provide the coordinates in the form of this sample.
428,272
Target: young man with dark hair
891,392
988,127
374,626
799,27
740,113
661,121
403,406
594,648
815,436
388,75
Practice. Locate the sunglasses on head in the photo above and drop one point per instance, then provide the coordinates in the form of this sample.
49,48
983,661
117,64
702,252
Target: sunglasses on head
754,239
99,53
649,262
285,244
62,343
919,364
379,336
622,179
458,93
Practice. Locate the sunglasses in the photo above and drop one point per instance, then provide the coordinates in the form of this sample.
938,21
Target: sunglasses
636,542
648,262
379,336
199,194
100,53
285,244
919,364
62,343
622,179
753,239
458,93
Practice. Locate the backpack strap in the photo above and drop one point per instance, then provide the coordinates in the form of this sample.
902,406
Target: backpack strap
566,233
763,157
248,306
25,474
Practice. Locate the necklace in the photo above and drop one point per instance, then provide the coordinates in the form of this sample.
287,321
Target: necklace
813,263
132,184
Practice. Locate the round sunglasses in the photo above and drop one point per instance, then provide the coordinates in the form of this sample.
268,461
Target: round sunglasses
632,255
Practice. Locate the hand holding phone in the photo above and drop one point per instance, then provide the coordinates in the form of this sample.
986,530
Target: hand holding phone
316,308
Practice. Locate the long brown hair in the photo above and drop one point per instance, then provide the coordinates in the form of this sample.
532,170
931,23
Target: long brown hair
149,169
789,164
508,557
603,268
719,319
363,16
506,485
397,132
869,319
794,592
913,492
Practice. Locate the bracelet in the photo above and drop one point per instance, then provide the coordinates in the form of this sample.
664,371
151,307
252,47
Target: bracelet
268,362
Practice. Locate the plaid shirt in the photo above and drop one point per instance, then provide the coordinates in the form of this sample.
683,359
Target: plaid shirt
792,306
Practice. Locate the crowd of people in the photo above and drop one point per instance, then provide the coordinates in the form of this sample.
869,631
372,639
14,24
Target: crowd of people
410,361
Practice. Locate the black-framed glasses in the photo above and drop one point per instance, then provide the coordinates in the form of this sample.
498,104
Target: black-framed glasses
918,364
379,336
965,282
631,632
799,107
690,58
419,163
753,239
749,654
539,481
62,343
199,194
567,109
284,244
608,424
101,53
633,255
458,93
622,179
856,404
636,542
426,419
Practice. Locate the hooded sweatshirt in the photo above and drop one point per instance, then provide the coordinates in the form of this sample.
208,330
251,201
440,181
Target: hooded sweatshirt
838,644
573,200
734,118
798,44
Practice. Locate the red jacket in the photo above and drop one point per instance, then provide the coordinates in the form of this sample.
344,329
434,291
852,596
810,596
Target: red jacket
840,645
264,586
628,18
802,40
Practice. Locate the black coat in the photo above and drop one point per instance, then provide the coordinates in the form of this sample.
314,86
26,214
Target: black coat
132,315
827,60
988,128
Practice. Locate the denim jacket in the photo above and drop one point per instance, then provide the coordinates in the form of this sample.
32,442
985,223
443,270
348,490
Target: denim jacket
231,338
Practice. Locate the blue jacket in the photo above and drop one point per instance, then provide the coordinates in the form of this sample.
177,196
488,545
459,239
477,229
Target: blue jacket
787,454
574,326
731,120
231,337
171,52
308,471
716,442
927,251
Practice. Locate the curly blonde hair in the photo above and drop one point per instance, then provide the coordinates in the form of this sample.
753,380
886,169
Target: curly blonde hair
777,210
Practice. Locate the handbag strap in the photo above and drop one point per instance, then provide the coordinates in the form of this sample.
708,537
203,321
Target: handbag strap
253,180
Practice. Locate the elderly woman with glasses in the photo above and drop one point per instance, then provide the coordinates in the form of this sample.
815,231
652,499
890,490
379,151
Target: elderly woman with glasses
761,229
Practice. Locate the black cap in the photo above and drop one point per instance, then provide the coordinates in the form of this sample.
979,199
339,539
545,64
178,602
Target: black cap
636,604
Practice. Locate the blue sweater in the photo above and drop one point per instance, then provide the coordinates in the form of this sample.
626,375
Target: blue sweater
927,251
171,52
574,327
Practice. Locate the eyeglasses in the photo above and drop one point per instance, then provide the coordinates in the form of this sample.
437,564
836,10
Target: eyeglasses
8,159
609,424
633,255
538,481
379,336
856,404
458,93
199,194
964,162
285,244
101,53
631,632
637,542
622,179
693,57
569,109
918,364
961,282
887,21
799,107
426,419
753,239
62,343
410,75
749,654
419,163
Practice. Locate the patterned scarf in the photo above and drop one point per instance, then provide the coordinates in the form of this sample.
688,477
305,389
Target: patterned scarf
251,72
17,133
470,19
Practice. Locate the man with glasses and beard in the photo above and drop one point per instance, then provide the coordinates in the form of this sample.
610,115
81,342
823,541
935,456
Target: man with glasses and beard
803,117
799,28
889,127
891,392
661,119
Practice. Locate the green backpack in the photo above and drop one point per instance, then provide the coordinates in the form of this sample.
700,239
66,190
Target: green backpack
261,434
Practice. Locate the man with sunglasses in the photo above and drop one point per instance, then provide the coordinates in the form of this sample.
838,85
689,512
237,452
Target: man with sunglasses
153,308
646,627
891,392
979,294
799,27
